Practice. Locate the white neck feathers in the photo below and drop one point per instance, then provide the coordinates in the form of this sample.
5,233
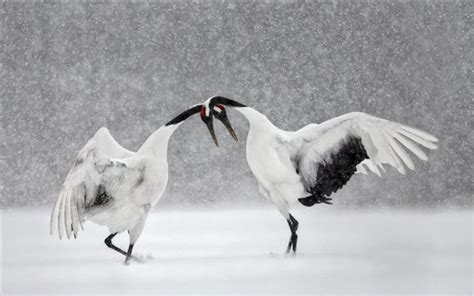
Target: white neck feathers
256,119
157,143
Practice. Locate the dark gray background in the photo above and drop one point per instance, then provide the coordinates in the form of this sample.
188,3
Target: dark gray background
68,69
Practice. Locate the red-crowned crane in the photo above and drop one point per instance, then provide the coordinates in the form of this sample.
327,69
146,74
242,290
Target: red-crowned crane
115,187
310,164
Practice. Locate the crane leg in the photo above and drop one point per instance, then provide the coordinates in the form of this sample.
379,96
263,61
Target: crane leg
108,243
293,223
129,254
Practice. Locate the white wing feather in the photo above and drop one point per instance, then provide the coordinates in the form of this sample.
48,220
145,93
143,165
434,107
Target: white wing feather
386,142
93,167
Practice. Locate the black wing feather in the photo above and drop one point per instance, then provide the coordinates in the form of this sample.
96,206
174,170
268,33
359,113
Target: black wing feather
333,175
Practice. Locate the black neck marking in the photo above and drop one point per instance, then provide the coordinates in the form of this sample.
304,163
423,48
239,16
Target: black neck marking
185,115
224,101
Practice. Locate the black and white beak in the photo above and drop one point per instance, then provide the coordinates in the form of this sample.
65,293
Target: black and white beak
220,114
206,117
210,126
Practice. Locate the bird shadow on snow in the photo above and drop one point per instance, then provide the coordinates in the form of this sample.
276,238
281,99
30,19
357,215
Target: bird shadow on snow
148,258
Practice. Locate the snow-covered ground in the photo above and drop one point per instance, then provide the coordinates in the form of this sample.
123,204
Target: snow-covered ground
241,251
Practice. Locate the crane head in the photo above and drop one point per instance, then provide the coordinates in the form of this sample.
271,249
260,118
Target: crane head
214,107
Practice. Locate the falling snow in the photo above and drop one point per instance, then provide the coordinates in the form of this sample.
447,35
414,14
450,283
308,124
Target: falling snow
69,68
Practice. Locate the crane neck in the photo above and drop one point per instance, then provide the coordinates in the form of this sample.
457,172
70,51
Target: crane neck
157,143
257,120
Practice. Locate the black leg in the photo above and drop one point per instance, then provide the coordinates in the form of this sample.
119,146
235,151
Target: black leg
294,236
290,242
108,243
293,223
129,254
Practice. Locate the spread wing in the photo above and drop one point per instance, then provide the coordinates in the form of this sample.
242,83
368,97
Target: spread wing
94,178
329,154
108,144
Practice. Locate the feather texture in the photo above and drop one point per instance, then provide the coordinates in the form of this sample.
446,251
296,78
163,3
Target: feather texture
386,142
92,168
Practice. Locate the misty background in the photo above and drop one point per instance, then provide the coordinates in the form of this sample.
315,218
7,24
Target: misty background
70,68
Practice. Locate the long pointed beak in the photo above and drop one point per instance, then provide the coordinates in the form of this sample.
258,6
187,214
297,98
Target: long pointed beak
210,126
227,124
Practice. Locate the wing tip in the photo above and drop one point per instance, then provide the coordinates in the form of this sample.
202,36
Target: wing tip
420,133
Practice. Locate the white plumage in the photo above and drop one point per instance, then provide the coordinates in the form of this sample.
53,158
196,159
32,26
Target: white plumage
384,141
113,186
310,164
